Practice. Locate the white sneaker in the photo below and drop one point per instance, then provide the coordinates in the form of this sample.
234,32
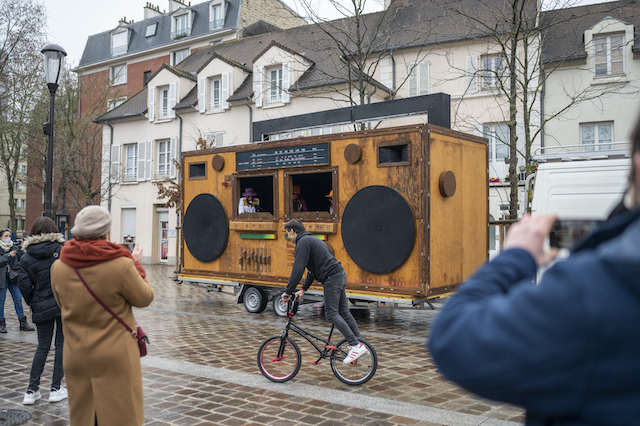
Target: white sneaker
58,395
31,397
355,353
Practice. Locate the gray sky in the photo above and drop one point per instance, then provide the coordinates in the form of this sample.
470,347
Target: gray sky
71,22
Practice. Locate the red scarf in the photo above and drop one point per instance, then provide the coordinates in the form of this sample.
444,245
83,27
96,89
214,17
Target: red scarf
80,253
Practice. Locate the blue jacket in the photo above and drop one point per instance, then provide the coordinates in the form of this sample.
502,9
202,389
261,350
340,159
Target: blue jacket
568,349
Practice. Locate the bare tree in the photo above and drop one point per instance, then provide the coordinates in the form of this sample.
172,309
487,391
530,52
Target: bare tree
78,149
22,34
522,33
353,46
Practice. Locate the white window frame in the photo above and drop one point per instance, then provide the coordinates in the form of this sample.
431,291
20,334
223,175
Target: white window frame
179,56
115,103
122,38
215,104
493,131
182,19
605,57
118,74
216,16
163,155
130,162
151,30
492,71
19,203
418,79
163,105
597,142
274,88
215,139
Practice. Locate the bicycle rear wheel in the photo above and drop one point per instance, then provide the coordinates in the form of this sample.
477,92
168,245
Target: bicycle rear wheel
358,372
279,359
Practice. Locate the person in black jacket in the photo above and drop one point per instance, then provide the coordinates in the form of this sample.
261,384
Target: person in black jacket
314,255
42,249
10,254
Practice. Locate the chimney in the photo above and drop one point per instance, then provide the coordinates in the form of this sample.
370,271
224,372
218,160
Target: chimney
151,10
175,5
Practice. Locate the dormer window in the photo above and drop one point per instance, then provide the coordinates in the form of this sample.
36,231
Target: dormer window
119,42
181,25
213,93
216,96
216,16
272,84
609,55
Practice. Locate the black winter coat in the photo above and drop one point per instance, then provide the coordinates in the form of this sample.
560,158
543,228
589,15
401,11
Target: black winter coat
35,278
7,261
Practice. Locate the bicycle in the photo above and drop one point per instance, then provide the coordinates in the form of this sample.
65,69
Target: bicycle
279,357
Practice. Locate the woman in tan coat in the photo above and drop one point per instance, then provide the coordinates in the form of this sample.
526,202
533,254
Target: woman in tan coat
101,358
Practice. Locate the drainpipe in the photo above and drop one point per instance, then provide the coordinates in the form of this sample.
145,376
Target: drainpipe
109,177
393,75
178,227
542,90
375,89
250,121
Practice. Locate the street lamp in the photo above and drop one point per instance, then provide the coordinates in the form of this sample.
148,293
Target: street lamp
53,58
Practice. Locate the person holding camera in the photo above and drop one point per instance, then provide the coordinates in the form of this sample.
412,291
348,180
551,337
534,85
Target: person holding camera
10,254
567,349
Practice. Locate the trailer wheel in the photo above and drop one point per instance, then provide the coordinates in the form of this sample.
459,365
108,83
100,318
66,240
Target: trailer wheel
255,300
279,308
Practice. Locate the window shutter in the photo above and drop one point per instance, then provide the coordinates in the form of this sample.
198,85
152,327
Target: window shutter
225,91
424,79
173,150
151,105
202,95
286,81
115,164
472,68
413,80
142,160
220,139
257,76
149,169
172,99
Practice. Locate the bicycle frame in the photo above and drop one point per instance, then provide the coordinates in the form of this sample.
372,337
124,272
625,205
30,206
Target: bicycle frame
329,349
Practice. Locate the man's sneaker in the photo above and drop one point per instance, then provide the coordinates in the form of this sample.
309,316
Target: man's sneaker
58,395
30,397
355,353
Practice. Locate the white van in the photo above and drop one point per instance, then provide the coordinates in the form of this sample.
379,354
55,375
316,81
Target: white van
587,186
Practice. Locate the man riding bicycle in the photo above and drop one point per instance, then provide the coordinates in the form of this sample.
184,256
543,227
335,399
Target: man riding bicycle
314,255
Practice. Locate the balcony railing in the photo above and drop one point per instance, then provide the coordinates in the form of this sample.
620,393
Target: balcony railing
184,32
217,24
118,50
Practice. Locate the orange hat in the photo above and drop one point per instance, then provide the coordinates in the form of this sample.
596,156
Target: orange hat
330,194
296,189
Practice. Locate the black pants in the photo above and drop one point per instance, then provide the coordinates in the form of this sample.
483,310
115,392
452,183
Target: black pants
45,335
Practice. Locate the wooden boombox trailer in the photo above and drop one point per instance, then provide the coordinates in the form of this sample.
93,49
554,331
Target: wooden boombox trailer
408,218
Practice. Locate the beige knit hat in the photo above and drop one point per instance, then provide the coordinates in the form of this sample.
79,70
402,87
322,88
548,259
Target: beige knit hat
92,222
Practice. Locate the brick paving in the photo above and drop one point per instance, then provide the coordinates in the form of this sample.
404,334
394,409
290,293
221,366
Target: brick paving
190,328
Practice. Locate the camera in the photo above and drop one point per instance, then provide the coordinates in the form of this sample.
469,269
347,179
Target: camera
566,232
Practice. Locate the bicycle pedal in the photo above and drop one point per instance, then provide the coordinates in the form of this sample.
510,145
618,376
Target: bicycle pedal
335,348
316,362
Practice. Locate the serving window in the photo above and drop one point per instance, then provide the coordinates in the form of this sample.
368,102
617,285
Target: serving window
255,196
311,195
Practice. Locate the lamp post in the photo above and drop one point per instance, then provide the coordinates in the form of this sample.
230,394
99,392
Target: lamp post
53,58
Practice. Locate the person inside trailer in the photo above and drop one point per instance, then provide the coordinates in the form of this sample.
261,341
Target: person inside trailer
330,199
299,204
248,202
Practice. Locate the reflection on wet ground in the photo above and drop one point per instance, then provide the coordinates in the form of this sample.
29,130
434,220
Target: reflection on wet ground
188,324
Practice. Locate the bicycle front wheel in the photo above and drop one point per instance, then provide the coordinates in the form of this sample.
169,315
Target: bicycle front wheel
358,372
279,359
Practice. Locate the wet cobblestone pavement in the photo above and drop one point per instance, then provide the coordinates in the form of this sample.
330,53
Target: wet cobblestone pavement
201,369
